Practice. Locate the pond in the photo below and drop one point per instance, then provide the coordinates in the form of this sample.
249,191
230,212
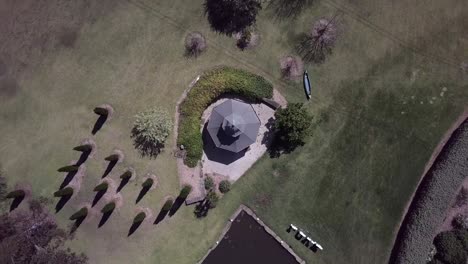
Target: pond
248,242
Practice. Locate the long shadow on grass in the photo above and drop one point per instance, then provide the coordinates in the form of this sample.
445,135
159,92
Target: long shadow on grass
98,197
162,214
62,202
134,228
83,157
176,206
104,218
287,9
109,168
68,178
142,193
77,224
99,123
16,202
123,183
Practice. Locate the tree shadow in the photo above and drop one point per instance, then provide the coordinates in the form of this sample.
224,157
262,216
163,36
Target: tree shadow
142,193
99,123
16,202
162,214
83,157
109,168
123,183
134,228
288,9
312,51
98,197
176,206
216,154
61,203
104,218
146,149
77,224
68,178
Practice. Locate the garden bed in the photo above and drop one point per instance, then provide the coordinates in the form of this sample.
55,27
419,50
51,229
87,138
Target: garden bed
210,87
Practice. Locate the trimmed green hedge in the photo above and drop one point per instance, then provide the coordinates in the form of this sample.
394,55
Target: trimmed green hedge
210,87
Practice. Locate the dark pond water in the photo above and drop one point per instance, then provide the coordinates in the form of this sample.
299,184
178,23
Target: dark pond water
247,242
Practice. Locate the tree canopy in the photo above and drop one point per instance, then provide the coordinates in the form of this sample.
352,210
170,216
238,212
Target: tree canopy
231,16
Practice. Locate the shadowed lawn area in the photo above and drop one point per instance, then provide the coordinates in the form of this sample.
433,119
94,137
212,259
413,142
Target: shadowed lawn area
375,125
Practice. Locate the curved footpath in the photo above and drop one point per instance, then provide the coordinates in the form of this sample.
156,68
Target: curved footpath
443,175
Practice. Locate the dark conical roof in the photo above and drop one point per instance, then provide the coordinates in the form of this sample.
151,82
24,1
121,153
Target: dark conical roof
233,125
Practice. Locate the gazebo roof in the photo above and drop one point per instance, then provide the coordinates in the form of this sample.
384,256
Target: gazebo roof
233,125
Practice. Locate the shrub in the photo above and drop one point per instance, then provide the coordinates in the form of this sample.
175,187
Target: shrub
224,186
112,157
16,194
212,199
460,221
462,197
67,191
139,217
167,205
108,208
292,126
101,111
150,131
244,39
231,16
126,175
101,187
69,168
209,183
147,183
185,191
195,44
209,88
82,213
320,41
291,67
84,148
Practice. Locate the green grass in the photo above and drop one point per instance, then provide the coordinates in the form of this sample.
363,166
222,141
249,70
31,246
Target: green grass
211,86
347,185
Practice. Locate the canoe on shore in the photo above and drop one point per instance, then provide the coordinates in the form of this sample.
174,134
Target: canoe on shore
307,85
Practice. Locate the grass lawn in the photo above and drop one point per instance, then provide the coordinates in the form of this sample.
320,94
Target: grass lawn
375,123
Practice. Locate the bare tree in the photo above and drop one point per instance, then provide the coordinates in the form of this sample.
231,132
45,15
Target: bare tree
291,67
320,41
195,44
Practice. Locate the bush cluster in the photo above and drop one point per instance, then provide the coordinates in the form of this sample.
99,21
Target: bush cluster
431,200
452,247
224,186
209,183
210,87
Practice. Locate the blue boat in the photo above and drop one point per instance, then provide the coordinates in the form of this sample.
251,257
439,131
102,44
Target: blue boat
307,85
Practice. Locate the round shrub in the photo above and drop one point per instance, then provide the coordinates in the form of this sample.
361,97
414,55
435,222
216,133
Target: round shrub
168,205
212,198
150,131
82,213
185,191
139,217
195,44
209,183
224,186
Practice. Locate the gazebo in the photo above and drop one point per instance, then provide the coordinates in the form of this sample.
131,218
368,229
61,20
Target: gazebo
233,125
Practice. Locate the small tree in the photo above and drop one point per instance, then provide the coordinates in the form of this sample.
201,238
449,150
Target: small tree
84,148
195,44
185,191
67,191
113,157
102,187
167,205
82,213
231,16
451,246
209,183
212,198
150,131
126,175
244,40
224,186
69,168
108,207
102,111
147,183
291,67
16,194
140,217
292,126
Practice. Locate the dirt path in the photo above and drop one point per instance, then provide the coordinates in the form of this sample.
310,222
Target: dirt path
429,164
